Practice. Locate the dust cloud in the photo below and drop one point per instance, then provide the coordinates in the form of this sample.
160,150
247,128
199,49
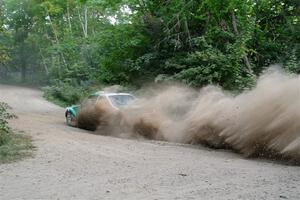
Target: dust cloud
264,121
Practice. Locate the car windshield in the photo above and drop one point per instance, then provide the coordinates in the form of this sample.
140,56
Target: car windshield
121,100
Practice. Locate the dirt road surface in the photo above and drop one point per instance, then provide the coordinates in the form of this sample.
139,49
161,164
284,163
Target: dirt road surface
75,164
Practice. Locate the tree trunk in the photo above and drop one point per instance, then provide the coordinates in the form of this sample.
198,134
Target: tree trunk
44,63
23,61
23,71
3,72
186,27
56,39
86,21
69,18
83,22
245,57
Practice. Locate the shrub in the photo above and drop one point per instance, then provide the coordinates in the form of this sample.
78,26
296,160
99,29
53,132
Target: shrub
4,128
65,94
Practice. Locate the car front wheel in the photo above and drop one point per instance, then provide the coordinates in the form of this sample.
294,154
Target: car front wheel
71,120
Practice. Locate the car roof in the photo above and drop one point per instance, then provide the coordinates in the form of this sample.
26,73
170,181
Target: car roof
102,93
112,94
98,93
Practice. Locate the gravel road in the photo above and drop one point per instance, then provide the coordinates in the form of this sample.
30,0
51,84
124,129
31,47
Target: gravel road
70,163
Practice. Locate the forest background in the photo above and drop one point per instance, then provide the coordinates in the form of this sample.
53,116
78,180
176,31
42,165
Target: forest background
76,46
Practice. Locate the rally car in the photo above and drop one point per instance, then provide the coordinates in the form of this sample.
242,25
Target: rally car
115,100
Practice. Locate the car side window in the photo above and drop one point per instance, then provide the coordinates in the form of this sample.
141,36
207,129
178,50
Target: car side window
90,100
99,99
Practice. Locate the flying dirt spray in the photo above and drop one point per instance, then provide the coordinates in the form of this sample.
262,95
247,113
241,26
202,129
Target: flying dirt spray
264,121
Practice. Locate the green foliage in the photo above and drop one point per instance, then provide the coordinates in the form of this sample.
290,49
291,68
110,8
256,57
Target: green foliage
293,64
210,65
67,43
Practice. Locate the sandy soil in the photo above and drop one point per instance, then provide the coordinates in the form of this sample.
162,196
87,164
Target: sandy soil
75,164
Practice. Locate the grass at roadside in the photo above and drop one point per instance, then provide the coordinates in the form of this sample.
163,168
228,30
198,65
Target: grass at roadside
12,146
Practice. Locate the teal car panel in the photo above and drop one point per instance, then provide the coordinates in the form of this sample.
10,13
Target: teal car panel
73,110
